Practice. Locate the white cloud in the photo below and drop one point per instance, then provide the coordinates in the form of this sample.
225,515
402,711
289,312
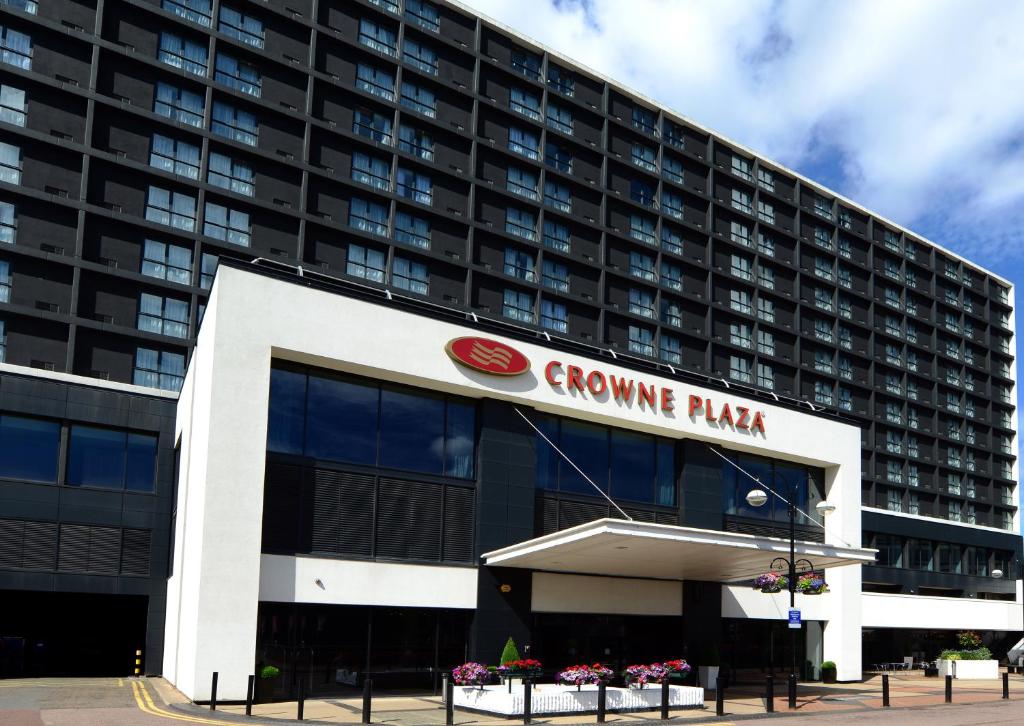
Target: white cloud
918,105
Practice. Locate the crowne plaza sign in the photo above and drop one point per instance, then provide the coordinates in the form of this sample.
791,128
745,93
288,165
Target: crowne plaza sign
495,358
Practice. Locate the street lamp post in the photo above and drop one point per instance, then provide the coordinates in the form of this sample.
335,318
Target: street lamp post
758,498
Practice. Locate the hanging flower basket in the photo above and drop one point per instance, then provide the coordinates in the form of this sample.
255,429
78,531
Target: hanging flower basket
811,583
771,582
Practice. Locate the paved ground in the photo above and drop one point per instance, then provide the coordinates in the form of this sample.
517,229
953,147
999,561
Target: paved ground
147,702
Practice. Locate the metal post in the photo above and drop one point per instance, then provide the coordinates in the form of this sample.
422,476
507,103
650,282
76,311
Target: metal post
792,690
444,687
949,689
664,699
249,693
449,707
302,698
367,697
213,692
720,699
885,690
769,695
602,701
792,594
1006,685
527,692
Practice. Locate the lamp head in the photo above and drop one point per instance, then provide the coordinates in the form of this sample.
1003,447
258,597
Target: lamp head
825,508
757,497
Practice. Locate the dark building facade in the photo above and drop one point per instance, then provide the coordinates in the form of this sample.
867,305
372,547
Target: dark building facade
418,148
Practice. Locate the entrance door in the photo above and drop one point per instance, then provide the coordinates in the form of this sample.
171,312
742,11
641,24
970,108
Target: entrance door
755,648
615,640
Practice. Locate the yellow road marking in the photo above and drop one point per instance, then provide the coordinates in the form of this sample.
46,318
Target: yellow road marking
151,708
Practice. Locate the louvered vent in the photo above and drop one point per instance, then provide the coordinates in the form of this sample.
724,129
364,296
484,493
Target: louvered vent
12,538
74,548
571,514
135,552
772,530
342,513
40,548
104,550
549,516
409,520
666,518
638,515
458,524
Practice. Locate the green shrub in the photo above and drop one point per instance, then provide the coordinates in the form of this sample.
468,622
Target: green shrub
968,640
982,653
509,653
829,665
269,671
949,655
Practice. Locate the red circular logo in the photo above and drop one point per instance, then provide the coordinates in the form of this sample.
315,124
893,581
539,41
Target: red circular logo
487,356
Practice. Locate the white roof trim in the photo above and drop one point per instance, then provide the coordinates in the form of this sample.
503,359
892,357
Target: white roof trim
86,381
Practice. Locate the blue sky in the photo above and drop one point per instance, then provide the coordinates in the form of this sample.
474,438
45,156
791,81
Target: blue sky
914,108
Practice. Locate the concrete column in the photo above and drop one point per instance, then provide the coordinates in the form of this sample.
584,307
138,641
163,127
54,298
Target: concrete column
842,632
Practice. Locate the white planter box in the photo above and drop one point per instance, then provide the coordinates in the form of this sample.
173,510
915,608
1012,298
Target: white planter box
970,669
556,699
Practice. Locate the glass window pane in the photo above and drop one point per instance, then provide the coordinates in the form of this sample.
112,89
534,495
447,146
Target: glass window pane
29,448
341,421
547,457
666,493
411,431
632,466
761,469
286,424
140,467
587,446
460,438
96,457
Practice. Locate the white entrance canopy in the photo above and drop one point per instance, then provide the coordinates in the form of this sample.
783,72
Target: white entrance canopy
663,551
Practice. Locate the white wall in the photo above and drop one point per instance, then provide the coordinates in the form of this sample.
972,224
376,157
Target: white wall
555,593
882,610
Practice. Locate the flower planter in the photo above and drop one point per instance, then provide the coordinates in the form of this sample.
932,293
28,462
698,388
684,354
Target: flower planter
828,675
551,699
970,669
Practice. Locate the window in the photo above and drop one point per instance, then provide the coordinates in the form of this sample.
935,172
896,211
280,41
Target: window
419,99
419,56
823,330
560,118
553,316
823,393
207,271
229,225
111,459
766,179
520,223
672,313
555,275
822,237
672,203
411,230
409,275
239,75
644,119
823,298
10,163
240,26
845,399
187,55
741,267
519,264
845,368
739,233
167,262
641,340
557,195
367,263
921,554
671,275
159,369
376,81
766,245
178,104
29,6
15,48
231,174
823,267
416,142
641,302
766,277
741,200
415,186
845,337
645,157
674,134
823,361
672,169
642,193
741,167
739,368
3,341
890,550
29,448
234,124
561,80
526,63
522,182
378,37
524,142
12,105
642,228
765,212
557,157
423,14
518,306
671,240
893,412
174,209
164,316
894,472
174,156
765,376
823,207
556,236
368,217
765,342
671,349
739,334
5,284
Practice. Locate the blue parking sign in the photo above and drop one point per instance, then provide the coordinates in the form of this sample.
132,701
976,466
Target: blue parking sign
794,619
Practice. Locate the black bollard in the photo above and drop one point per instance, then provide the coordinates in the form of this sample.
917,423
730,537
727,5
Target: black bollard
1006,685
449,707
885,690
792,690
769,695
664,699
720,699
527,692
302,699
213,692
249,692
949,689
602,701
367,697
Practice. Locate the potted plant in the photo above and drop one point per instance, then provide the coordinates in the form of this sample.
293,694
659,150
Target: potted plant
828,672
266,684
